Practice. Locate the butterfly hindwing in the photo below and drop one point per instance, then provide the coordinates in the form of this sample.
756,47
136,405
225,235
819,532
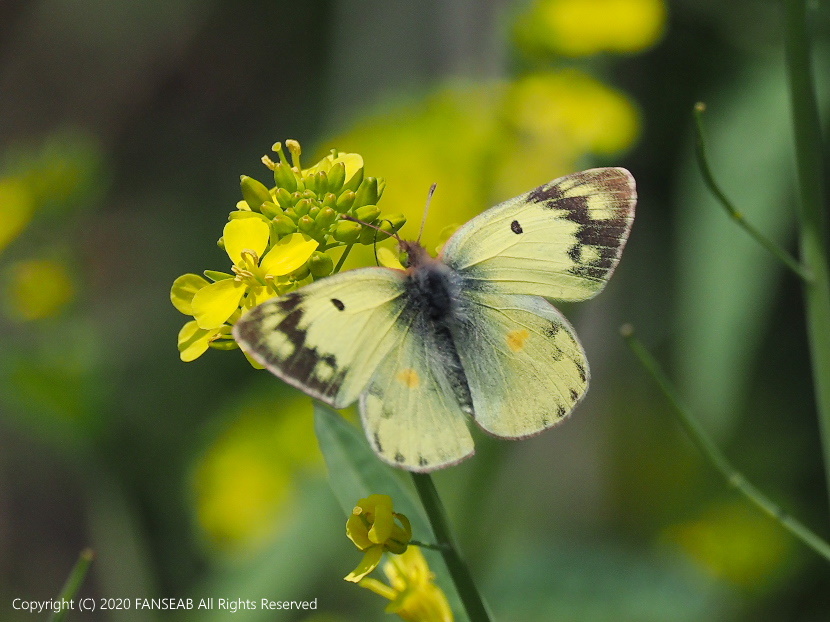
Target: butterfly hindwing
412,409
328,337
524,366
561,240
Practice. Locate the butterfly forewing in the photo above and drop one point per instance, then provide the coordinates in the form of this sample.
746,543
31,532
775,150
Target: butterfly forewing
328,337
561,240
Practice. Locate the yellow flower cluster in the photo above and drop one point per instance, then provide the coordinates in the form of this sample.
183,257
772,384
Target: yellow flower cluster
277,240
586,27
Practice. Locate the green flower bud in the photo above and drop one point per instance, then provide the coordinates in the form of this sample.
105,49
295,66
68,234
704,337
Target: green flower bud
393,223
321,183
254,192
367,213
302,207
315,209
367,194
284,177
337,176
300,273
381,187
284,198
330,200
325,218
345,201
354,182
320,264
370,235
347,231
282,225
269,209
309,194
305,224
291,214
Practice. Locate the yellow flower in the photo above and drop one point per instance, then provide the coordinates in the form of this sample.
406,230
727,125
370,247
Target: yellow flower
585,27
411,590
16,209
256,274
373,530
38,289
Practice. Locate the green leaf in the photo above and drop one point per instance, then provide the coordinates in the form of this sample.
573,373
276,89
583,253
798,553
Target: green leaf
356,472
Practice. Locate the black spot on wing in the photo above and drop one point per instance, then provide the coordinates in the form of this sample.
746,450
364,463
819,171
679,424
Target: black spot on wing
303,361
376,440
422,461
574,395
560,411
551,330
515,227
399,458
581,369
338,304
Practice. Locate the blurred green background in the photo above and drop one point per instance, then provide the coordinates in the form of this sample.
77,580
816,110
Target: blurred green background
123,129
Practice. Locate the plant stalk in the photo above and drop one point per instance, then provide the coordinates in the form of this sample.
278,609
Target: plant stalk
812,229
460,573
712,452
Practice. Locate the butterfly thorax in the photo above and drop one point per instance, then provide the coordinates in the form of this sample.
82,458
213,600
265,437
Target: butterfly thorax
431,283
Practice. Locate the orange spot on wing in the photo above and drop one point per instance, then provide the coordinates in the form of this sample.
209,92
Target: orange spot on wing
516,339
409,377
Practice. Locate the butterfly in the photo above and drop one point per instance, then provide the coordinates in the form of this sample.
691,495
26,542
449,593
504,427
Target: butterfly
467,334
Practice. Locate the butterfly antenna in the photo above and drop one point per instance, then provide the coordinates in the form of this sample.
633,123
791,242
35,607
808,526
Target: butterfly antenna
426,210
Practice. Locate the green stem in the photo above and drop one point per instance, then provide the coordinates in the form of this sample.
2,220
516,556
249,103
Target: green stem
707,447
731,210
810,165
342,259
467,590
73,582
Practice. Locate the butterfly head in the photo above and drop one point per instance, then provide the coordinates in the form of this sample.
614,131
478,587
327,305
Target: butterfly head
416,254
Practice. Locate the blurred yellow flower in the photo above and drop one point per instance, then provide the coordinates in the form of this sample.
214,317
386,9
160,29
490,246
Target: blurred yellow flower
572,111
411,590
246,479
38,288
736,543
585,27
16,209
373,530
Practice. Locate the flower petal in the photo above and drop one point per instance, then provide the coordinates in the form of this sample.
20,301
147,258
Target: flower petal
183,290
245,233
389,259
194,341
382,526
288,254
357,532
215,303
370,561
